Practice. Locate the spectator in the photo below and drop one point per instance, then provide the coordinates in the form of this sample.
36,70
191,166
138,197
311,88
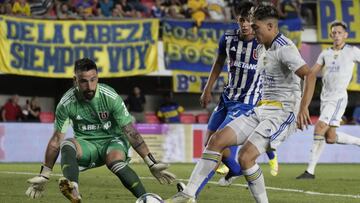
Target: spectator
174,9
135,103
216,9
169,111
64,12
85,8
158,11
138,6
40,7
289,8
21,8
126,10
198,11
32,110
11,111
5,7
106,7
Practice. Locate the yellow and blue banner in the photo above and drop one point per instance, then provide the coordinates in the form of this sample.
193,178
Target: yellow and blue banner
49,48
194,49
345,10
194,82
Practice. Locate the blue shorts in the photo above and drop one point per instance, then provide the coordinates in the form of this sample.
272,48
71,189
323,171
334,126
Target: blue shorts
225,112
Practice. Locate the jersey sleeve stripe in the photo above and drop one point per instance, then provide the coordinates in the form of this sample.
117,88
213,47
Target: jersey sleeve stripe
108,91
107,94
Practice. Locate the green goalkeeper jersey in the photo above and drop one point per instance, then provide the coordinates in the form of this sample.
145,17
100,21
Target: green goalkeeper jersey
100,118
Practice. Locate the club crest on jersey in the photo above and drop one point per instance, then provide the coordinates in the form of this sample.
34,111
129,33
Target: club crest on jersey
103,115
255,54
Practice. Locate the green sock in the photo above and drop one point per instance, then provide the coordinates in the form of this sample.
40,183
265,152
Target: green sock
128,177
69,164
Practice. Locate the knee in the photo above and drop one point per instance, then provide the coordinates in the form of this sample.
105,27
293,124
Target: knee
116,166
216,142
244,159
330,138
67,144
114,156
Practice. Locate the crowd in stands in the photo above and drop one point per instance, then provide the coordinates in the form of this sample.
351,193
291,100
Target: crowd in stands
11,111
198,10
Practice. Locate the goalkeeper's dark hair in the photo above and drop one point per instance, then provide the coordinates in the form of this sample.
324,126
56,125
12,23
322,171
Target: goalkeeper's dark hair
85,64
244,9
263,12
338,23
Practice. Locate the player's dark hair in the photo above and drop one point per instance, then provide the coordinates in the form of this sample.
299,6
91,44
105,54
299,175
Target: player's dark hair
338,23
84,64
244,9
263,12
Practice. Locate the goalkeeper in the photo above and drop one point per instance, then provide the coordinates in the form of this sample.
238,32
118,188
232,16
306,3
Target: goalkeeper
103,134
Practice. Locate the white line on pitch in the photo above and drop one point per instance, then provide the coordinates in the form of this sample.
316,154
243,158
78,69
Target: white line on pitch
215,183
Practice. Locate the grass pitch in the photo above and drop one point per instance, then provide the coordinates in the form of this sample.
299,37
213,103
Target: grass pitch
333,183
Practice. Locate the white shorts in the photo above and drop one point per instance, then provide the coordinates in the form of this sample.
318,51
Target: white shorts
264,128
332,111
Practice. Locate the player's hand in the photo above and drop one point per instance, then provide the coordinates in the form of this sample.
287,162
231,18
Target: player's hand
37,187
159,171
303,119
205,98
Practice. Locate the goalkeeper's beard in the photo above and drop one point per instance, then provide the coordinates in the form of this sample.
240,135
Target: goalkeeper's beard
89,94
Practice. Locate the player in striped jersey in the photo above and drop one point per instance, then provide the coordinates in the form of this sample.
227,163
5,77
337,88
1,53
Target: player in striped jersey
243,90
103,134
269,123
336,64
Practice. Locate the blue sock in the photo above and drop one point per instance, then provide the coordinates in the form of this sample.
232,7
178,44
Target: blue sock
270,154
231,162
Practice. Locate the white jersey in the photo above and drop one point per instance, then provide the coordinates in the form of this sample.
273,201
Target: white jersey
277,65
337,71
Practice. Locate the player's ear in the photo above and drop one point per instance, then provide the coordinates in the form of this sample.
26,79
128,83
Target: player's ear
331,35
346,35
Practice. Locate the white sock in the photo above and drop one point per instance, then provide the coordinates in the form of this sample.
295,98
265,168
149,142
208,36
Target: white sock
202,172
255,179
316,151
343,138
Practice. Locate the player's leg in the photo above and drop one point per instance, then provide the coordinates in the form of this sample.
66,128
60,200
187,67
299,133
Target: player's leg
117,162
317,148
252,171
233,134
68,185
216,119
230,154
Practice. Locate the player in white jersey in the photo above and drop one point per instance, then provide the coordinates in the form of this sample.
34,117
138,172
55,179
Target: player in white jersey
336,64
268,124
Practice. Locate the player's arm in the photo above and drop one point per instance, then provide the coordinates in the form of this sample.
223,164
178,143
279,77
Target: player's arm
309,77
53,149
123,119
216,69
136,140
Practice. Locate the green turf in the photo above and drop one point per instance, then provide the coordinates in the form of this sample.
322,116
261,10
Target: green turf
99,185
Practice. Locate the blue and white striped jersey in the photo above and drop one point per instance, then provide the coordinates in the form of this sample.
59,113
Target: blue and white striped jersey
244,83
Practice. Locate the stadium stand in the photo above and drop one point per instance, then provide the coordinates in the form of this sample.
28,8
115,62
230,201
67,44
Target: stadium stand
47,117
202,118
150,117
187,118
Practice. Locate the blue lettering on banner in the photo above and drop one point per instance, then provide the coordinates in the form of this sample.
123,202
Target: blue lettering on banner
325,20
126,57
346,17
182,81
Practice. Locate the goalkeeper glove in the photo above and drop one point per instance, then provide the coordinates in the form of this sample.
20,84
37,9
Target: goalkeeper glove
158,170
37,187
